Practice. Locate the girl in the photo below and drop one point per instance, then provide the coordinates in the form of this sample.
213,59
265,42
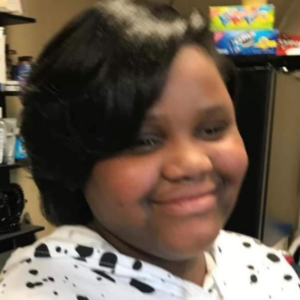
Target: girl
130,128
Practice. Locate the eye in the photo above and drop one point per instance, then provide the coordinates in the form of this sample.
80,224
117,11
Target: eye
146,143
212,131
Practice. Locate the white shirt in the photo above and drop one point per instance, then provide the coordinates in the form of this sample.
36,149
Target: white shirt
75,263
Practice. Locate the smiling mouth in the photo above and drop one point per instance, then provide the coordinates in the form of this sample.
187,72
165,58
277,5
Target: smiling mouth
189,205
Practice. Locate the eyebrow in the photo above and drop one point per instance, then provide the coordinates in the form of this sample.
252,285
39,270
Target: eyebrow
207,111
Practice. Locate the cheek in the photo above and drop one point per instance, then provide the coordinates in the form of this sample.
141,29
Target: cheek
124,180
230,160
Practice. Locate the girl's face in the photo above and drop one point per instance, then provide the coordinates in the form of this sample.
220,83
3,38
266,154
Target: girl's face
170,194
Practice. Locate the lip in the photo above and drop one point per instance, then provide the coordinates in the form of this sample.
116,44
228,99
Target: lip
192,204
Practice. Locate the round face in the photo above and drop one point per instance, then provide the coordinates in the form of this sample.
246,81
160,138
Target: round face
170,194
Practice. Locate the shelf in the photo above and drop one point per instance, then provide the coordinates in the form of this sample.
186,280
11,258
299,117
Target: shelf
290,62
25,229
10,93
13,166
7,19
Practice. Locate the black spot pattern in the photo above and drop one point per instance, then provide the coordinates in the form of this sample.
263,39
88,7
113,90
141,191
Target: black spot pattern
104,275
288,277
108,260
253,279
80,258
144,288
273,257
32,285
103,278
247,245
84,251
137,265
82,298
42,251
33,272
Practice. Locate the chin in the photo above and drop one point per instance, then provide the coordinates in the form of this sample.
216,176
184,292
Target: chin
187,242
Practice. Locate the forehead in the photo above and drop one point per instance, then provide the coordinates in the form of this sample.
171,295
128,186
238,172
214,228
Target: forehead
193,82
193,63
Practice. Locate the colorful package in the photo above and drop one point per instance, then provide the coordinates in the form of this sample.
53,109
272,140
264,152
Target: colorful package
250,42
20,152
288,44
242,17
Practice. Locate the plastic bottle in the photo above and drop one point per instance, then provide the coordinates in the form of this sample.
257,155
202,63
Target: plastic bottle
2,136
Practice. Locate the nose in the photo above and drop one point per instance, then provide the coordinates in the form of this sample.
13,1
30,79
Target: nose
187,161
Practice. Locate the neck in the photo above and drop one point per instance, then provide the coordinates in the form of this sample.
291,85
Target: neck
193,270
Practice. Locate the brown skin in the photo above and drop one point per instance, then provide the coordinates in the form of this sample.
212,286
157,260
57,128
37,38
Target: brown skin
189,141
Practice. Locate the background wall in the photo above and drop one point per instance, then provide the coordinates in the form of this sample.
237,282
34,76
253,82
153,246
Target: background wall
290,23
29,39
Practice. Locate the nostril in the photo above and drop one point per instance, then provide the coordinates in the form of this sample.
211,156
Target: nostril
187,167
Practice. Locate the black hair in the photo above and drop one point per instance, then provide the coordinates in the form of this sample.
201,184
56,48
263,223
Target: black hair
90,89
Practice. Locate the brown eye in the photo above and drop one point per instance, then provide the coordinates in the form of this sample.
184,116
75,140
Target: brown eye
147,143
213,131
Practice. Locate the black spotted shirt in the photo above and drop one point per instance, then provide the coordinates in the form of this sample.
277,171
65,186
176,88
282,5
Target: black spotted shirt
75,263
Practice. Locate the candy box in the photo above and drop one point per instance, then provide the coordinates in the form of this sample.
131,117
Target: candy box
288,44
254,17
249,42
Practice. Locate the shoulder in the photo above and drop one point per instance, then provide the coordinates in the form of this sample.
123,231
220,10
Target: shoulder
254,267
41,271
247,249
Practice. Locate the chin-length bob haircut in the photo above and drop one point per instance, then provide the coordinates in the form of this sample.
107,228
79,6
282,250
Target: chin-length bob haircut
90,89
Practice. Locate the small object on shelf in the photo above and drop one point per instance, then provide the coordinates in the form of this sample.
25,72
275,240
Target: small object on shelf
9,61
10,140
288,45
10,86
11,207
225,18
251,42
22,70
20,152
